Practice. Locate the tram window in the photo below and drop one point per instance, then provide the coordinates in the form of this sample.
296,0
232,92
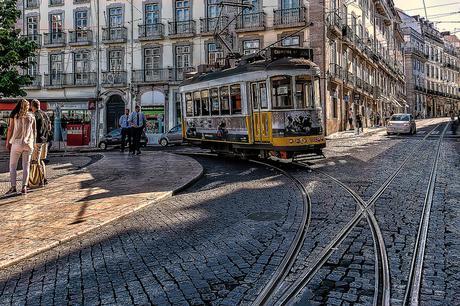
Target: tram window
263,96
316,94
303,92
281,92
205,102
224,101
235,97
214,101
189,104
196,103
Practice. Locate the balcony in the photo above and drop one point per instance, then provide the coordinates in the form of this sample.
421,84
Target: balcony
154,31
348,78
81,1
377,92
179,73
359,44
80,79
36,38
36,82
54,39
179,29
114,78
335,71
56,2
250,22
80,37
348,35
289,18
415,51
334,23
359,82
114,35
149,76
54,80
209,25
32,4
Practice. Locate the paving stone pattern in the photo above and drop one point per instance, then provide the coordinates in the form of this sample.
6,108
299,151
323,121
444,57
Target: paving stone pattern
217,243
441,273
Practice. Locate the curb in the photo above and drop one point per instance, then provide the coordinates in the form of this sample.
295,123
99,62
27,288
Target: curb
167,195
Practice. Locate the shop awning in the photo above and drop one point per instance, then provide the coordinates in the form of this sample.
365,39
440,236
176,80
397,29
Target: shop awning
9,105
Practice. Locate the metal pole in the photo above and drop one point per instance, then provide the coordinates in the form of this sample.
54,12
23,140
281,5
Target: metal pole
98,73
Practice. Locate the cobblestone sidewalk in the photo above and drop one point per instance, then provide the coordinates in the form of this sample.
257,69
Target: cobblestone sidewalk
95,195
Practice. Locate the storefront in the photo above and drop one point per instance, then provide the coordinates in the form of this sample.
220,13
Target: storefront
73,125
7,105
153,107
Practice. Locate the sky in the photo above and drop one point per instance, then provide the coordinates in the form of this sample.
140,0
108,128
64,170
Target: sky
415,7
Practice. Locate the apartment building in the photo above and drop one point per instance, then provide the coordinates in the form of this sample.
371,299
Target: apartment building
432,68
99,57
358,47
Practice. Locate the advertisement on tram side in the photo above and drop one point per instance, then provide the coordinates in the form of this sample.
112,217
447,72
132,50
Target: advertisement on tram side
231,129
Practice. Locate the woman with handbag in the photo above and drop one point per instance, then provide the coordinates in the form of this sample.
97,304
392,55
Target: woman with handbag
20,142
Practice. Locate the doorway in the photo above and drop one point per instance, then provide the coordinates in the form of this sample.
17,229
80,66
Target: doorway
115,109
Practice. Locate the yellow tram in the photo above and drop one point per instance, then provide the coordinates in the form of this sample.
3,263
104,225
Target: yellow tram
264,107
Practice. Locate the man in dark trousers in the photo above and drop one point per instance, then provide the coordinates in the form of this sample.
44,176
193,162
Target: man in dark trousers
137,122
125,130
38,168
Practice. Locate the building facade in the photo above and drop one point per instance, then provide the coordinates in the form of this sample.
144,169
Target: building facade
358,47
98,57
432,68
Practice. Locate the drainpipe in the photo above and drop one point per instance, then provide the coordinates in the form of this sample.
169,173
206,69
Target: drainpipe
324,71
131,89
98,72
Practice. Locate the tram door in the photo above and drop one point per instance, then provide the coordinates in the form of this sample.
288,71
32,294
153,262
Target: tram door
261,115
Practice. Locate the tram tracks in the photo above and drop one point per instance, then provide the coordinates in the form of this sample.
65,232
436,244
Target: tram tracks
382,289
412,293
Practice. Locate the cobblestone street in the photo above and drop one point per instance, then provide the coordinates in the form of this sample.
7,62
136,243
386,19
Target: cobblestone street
222,240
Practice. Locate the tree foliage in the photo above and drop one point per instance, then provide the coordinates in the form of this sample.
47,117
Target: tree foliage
15,52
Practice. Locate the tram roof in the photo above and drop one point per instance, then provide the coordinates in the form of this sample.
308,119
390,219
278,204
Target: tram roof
280,64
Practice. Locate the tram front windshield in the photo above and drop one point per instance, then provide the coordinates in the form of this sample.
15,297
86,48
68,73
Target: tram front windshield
305,93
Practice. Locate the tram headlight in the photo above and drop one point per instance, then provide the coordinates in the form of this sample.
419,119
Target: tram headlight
291,141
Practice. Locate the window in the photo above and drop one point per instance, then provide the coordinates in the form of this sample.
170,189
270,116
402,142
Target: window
334,104
115,17
251,46
281,92
115,60
196,103
32,25
214,101
81,20
224,101
152,58
289,4
215,55
291,41
182,10
183,56
188,104
56,68
213,8
205,103
303,92
152,13
81,66
235,98
56,23
33,66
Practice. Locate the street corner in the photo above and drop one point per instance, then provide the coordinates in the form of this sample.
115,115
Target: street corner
94,194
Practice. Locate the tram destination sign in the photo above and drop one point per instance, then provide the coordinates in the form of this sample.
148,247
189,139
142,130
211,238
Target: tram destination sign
280,52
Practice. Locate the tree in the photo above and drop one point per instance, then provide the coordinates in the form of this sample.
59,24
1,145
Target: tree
15,52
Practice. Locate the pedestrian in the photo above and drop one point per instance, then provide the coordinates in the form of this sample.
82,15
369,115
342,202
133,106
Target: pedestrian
359,123
137,122
125,130
2,130
350,118
378,119
20,142
37,176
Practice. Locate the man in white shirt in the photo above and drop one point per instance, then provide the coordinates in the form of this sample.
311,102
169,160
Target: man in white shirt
137,122
125,130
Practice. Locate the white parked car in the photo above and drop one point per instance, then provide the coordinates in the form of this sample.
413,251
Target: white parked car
401,123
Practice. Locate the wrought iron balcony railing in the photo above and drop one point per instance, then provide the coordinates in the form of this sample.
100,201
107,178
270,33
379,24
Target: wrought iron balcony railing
292,17
251,22
151,31
114,35
36,38
32,4
159,75
80,37
56,2
335,71
55,79
78,79
54,39
36,82
114,78
182,28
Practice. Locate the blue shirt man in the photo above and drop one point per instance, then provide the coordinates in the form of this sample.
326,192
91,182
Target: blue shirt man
137,122
125,130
